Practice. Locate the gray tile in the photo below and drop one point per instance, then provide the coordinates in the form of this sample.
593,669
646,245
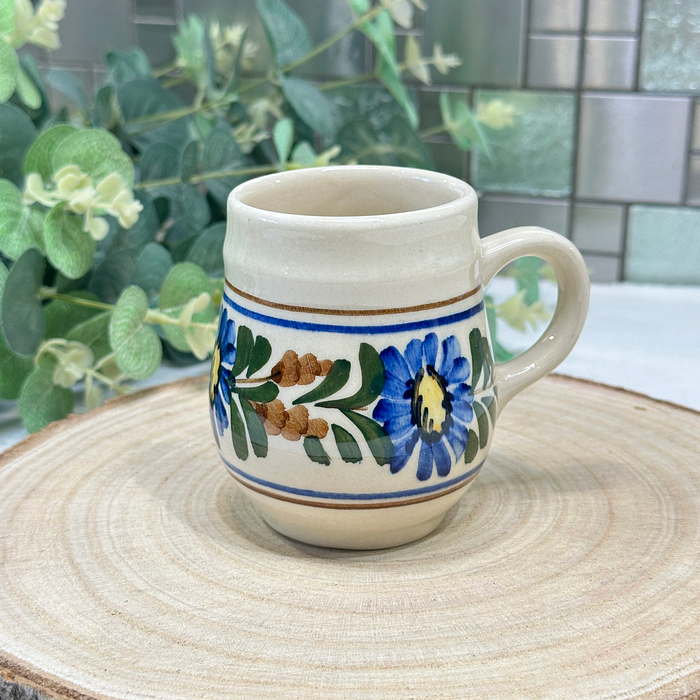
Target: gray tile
610,62
598,228
602,268
552,61
487,35
87,32
613,15
694,180
696,128
555,15
670,56
448,158
156,41
499,213
632,147
663,245
155,8
429,106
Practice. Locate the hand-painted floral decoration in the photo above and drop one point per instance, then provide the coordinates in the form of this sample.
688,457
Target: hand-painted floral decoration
222,362
422,403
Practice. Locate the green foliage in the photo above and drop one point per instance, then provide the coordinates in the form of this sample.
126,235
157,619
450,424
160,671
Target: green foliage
108,276
315,450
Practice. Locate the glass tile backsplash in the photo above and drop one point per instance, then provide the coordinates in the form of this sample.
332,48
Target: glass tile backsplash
605,144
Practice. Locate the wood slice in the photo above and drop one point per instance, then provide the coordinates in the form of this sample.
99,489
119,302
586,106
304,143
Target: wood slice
133,567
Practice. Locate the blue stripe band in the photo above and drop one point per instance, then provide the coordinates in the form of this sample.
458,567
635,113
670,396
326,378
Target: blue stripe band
358,330
353,496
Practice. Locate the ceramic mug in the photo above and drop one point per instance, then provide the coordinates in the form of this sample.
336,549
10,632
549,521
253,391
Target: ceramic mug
353,392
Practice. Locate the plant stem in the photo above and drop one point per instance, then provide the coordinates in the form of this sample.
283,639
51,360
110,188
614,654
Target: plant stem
46,293
165,68
211,175
432,131
363,77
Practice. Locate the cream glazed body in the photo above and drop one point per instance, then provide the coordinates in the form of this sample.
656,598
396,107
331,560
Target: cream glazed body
353,394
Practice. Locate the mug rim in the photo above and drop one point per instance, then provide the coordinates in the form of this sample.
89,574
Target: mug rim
466,197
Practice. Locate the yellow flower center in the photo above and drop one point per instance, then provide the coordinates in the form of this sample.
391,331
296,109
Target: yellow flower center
430,404
214,376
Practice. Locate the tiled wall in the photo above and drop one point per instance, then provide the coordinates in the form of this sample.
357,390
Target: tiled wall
606,147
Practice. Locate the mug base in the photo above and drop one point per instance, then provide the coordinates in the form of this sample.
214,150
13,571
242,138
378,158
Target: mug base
338,528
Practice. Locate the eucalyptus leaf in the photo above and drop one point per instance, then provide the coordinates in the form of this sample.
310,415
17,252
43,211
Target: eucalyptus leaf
236,68
144,230
285,31
527,277
93,333
28,92
188,203
97,153
334,381
127,65
395,85
372,369
188,162
347,445
17,133
137,348
283,137
311,105
159,161
40,401
20,226
359,6
69,247
40,156
112,275
220,153
152,266
104,113
9,67
315,450
304,154
66,83
13,370
61,315
207,250
7,17
22,320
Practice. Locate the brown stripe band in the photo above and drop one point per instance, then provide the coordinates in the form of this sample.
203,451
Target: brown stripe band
352,506
351,312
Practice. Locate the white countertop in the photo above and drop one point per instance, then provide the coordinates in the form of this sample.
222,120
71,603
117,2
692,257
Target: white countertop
640,337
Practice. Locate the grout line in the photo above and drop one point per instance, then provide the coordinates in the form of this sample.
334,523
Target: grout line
623,252
155,20
525,44
640,25
685,182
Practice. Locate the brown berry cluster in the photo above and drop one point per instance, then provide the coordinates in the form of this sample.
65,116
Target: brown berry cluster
292,369
292,424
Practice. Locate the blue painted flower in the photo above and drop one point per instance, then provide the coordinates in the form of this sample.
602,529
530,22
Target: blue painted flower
221,363
424,402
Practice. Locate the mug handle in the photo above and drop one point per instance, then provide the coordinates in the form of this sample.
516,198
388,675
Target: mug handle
572,303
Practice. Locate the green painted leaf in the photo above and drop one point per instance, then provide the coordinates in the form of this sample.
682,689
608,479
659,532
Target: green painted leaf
261,394
488,360
491,407
66,83
152,266
244,350
28,92
238,437
256,429
372,369
61,315
283,137
378,441
40,155
477,354
159,161
17,133
23,323
127,65
137,348
40,401
347,445
483,422
285,29
94,333
311,105
260,355
207,249
315,450
9,66
334,381
472,447
69,248
97,153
